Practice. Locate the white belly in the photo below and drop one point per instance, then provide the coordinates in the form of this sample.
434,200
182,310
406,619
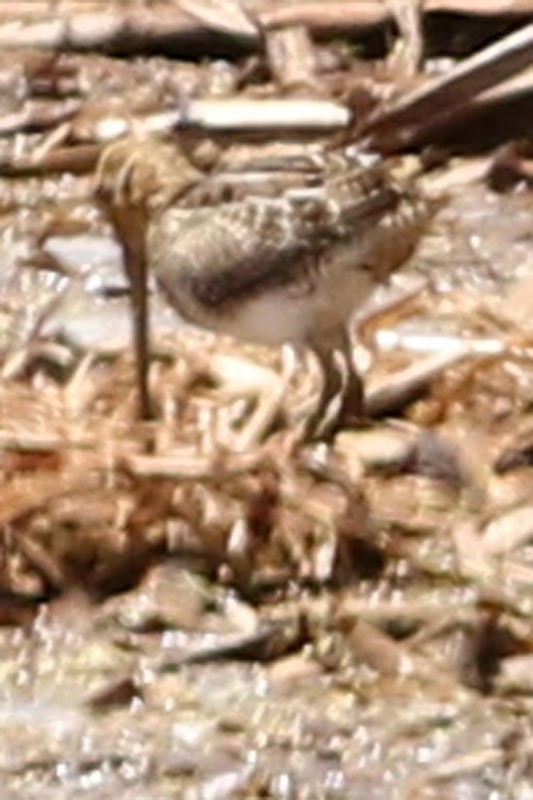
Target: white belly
286,315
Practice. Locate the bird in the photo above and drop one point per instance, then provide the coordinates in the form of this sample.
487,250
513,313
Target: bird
287,265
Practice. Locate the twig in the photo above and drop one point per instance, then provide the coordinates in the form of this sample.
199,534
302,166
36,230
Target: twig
82,24
114,30
226,16
402,387
291,57
404,122
211,115
510,91
191,466
78,159
38,116
233,115
343,15
406,56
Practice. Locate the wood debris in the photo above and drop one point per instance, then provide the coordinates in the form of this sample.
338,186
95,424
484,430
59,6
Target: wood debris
200,604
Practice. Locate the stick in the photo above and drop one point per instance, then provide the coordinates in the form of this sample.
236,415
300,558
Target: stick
331,16
83,24
399,125
236,114
114,30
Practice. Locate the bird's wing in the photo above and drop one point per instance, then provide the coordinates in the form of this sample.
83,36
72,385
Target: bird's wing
220,253
224,251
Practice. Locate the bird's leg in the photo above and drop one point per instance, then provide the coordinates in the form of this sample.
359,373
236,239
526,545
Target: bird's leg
352,407
318,424
341,399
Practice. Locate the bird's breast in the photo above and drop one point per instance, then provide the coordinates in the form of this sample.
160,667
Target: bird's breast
321,298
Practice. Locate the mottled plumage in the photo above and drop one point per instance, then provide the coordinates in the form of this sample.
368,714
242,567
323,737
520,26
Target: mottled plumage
317,257
291,267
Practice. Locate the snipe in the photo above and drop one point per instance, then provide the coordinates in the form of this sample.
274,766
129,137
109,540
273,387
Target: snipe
287,265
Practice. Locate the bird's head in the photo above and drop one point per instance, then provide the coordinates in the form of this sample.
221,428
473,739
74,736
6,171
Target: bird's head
144,172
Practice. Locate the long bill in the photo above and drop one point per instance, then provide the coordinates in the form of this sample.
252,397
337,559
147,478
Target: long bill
136,270
129,225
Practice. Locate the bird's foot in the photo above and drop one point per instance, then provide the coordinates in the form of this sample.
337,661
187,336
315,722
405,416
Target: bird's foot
323,427
341,402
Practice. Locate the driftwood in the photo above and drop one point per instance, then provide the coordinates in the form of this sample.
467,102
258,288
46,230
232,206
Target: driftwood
343,16
78,159
237,114
214,116
87,24
291,56
444,103
403,123
486,78
71,27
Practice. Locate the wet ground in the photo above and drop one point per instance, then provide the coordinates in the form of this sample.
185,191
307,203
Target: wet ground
236,615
